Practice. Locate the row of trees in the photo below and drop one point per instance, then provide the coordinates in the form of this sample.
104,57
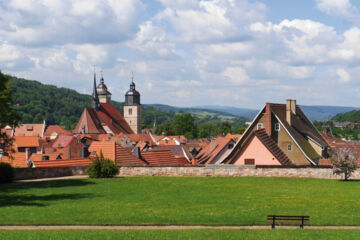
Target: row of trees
185,124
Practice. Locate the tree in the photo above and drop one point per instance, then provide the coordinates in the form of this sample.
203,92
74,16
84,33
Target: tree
8,116
344,162
225,128
184,123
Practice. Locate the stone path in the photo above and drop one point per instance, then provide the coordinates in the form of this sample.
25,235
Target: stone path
157,227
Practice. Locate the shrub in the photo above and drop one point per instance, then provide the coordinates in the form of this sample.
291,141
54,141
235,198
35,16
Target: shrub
6,172
102,167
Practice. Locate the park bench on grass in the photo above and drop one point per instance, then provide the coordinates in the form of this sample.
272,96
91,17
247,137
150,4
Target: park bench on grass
288,220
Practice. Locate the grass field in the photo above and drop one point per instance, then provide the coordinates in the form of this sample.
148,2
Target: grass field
181,201
181,234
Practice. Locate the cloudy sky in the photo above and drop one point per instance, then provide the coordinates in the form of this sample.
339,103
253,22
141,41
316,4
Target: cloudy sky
239,53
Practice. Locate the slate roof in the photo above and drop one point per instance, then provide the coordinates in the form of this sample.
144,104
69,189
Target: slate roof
271,145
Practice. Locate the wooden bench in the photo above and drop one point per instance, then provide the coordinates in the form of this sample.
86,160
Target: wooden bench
288,220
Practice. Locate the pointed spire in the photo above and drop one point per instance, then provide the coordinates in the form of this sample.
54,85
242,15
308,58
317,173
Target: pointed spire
102,78
95,102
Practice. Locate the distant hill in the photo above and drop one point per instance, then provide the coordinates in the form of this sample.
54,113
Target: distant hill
351,116
319,113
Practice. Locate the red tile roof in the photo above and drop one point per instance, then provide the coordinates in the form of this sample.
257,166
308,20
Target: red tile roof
62,163
56,128
29,130
26,141
209,152
62,141
164,157
18,160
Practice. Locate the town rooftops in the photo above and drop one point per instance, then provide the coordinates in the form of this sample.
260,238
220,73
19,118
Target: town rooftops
36,130
212,150
62,141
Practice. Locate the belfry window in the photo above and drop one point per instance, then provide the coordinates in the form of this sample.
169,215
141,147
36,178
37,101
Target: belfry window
130,111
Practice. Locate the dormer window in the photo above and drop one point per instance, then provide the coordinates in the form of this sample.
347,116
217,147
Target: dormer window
277,127
259,125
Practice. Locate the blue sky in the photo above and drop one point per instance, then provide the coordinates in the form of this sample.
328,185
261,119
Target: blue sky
239,53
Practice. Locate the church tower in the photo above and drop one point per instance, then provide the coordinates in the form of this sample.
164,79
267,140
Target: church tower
103,94
132,109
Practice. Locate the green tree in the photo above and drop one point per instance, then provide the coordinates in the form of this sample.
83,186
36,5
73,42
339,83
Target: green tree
225,128
8,116
184,123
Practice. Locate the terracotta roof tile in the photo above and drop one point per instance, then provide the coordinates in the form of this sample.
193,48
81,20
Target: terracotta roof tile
164,157
26,141
18,160
56,128
62,163
209,152
35,130
62,141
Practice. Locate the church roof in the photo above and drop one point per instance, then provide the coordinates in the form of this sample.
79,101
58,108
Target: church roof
106,118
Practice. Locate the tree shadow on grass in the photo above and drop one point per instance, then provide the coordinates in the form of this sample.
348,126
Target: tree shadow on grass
46,184
39,201
349,181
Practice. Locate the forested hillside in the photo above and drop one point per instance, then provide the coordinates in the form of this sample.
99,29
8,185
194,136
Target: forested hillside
352,116
37,102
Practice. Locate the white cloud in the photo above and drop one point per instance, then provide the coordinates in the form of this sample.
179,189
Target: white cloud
341,8
344,76
237,75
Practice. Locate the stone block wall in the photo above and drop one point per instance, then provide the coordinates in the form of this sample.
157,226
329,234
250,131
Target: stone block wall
189,171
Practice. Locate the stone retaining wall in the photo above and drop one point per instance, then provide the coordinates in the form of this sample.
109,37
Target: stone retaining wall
190,170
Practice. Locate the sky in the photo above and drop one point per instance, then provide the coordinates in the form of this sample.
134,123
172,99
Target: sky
239,53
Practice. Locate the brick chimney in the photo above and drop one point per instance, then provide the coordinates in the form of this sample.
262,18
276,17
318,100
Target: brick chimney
290,109
268,119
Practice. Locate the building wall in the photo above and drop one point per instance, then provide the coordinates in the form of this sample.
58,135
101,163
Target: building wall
133,116
283,139
254,149
316,147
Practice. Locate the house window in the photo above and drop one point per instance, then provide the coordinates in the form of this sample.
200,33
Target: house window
277,127
130,111
259,125
249,161
289,147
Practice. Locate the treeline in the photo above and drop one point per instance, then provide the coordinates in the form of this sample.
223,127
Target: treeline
344,133
352,116
185,124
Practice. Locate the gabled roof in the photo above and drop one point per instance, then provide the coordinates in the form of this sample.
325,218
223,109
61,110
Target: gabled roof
211,151
56,128
29,130
271,145
177,150
100,122
26,141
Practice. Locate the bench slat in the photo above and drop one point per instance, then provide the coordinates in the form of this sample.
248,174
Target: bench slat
287,216
287,223
291,219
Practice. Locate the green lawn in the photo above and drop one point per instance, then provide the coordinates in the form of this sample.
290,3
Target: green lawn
182,201
182,234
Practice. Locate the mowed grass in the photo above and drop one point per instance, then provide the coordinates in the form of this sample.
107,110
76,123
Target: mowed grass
180,201
181,234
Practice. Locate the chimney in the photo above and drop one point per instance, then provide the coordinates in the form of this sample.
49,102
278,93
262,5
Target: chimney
268,119
290,109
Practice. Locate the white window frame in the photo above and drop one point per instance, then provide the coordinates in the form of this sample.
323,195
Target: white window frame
259,126
277,127
289,147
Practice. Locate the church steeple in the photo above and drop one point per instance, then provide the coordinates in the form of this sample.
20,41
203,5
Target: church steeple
95,102
102,91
